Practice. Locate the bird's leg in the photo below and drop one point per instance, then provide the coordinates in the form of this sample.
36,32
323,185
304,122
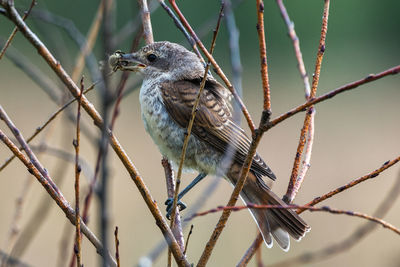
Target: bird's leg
169,202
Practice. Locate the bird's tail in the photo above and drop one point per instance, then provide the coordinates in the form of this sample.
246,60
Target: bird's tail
279,223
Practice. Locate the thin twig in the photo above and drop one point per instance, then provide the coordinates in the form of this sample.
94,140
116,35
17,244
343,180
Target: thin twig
368,176
124,78
296,180
187,239
76,144
305,165
324,208
190,124
234,196
76,36
182,29
106,104
263,55
154,254
218,69
117,246
250,251
296,47
353,239
90,41
344,88
44,125
89,108
9,40
132,26
177,227
55,194
146,22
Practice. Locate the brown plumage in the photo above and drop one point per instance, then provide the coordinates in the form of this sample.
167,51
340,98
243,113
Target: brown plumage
172,77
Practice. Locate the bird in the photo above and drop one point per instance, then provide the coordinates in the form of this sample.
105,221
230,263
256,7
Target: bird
171,82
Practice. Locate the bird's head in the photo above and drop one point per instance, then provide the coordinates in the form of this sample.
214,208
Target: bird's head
159,58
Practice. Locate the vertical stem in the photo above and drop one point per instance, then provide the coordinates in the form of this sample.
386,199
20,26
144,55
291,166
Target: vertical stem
263,55
76,144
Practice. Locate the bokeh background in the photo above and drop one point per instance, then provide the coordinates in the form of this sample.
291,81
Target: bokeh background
355,132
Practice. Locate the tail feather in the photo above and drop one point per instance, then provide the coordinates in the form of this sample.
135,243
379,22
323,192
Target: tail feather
278,223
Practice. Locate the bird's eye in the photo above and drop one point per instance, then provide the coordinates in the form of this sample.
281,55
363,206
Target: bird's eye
151,57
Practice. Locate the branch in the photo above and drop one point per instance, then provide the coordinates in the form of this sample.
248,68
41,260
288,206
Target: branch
12,35
179,25
146,22
52,189
89,108
263,55
368,176
344,88
324,208
296,180
47,122
76,144
218,69
250,251
353,239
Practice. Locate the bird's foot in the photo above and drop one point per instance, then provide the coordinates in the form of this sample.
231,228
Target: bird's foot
169,202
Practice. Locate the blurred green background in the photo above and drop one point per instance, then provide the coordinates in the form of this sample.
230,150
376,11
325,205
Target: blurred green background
355,132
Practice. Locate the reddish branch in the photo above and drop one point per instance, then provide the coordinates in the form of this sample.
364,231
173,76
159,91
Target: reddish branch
217,68
354,238
295,179
263,55
344,88
232,201
325,209
368,176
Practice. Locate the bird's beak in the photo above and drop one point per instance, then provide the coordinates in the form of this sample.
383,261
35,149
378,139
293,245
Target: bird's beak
122,61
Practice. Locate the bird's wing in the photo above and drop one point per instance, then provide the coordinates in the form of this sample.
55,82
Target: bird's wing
213,122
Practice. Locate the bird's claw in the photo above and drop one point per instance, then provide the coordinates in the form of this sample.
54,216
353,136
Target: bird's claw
169,202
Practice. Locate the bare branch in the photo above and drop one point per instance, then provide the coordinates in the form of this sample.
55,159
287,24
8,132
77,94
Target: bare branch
296,180
263,55
59,70
9,40
215,65
344,88
370,175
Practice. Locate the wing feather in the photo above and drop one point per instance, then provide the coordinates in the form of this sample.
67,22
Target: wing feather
213,123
